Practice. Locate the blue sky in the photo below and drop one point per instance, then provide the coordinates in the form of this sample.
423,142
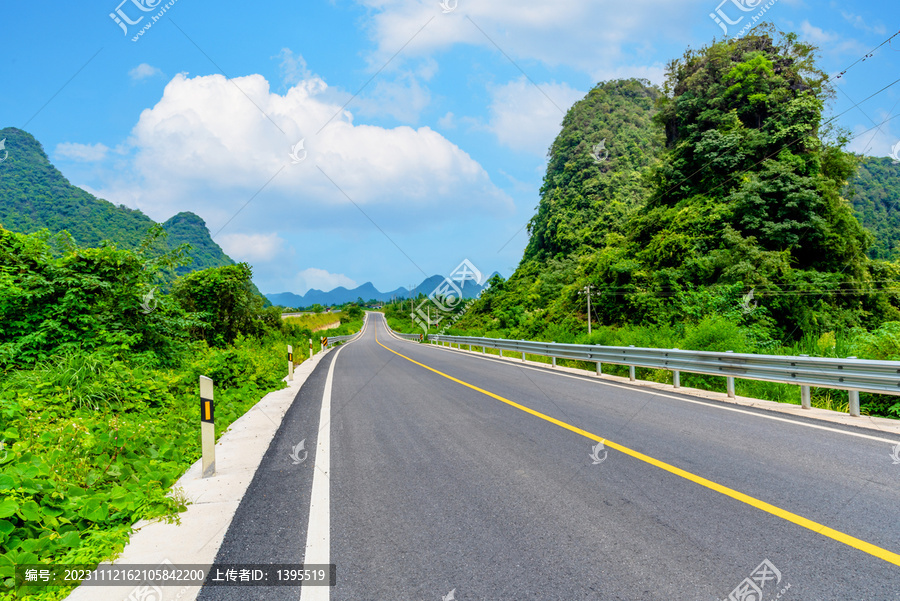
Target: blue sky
425,127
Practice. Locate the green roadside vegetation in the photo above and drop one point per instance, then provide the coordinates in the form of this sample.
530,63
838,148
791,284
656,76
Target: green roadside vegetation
712,213
717,332
313,321
99,387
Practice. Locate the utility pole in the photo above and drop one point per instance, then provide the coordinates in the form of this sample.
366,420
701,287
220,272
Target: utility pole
587,292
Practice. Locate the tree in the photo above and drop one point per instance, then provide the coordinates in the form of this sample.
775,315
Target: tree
224,300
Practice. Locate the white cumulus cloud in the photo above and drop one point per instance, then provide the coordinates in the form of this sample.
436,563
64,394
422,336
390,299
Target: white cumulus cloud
527,118
252,247
592,37
143,71
81,152
220,148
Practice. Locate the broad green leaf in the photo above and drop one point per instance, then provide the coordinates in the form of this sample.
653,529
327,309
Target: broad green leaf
8,507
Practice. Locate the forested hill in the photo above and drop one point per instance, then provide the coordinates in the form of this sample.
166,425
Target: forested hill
720,183
599,167
875,195
35,195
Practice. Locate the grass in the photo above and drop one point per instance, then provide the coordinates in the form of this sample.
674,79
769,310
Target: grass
315,321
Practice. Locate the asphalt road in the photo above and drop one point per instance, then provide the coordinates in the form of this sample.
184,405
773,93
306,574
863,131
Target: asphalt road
440,490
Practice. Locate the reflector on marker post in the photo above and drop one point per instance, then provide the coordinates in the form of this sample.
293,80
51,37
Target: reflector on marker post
290,363
207,427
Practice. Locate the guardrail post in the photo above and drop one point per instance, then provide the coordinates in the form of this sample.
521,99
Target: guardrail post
523,356
631,367
676,376
482,351
599,368
853,404
290,363
554,361
207,427
805,397
729,383
501,353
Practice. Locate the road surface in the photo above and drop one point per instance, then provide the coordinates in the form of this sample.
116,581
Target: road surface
443,475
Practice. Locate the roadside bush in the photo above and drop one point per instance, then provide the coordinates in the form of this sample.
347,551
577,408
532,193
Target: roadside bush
716,333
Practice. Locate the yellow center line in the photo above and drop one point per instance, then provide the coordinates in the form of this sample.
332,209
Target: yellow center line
874,550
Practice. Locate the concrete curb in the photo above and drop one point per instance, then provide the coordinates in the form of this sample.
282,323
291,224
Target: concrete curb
214,501
881,424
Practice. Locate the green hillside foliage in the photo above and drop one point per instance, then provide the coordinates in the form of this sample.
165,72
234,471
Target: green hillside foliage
718,221
188,228
743,192
99,376
34,195
583,198
875,195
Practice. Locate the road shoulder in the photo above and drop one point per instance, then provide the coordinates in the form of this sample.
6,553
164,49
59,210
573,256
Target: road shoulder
213,501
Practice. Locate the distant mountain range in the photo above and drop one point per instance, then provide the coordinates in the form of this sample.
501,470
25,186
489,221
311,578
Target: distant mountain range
367,292
35,195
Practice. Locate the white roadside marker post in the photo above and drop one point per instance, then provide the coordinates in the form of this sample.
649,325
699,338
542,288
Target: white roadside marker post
207,427
290,363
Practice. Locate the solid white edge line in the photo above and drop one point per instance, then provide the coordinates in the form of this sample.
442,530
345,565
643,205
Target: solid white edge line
318,530
710,403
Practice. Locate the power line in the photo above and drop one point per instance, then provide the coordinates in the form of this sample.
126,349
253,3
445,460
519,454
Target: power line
856,105
867,55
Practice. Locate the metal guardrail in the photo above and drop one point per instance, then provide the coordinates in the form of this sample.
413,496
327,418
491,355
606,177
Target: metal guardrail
851,374
332,340
413,337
